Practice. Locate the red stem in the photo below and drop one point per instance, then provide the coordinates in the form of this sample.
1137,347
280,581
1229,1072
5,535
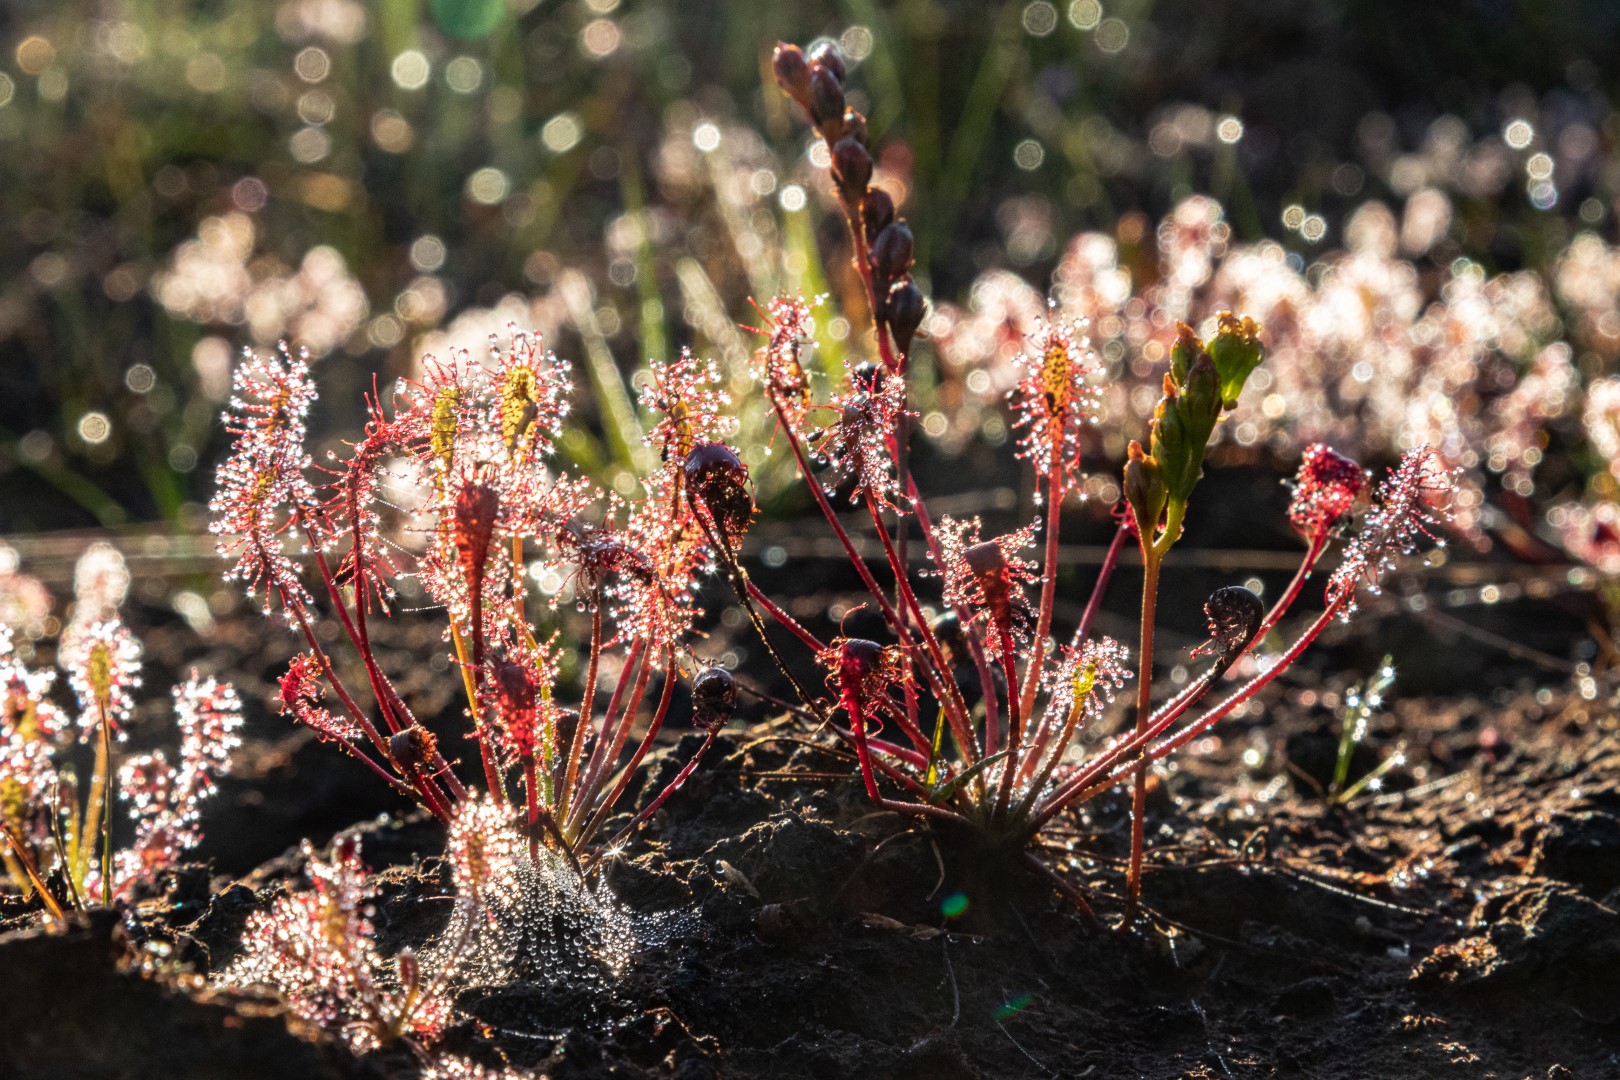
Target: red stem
417,787
889,614
992,718
613,736
1043,621
857,727
951,697
1195,691
486,748
652,808
1086,784
532,803
587,707
395,713
645,745
1015,724
907,726
810,641
1104,574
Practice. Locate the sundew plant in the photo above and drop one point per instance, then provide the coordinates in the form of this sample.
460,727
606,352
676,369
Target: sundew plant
966,715
60,825
1003,766
460,466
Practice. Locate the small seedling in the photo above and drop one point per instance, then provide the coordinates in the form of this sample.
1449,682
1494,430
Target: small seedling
1360,703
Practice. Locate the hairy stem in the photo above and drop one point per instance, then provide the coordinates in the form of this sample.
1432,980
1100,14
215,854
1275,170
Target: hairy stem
1043,620
587,708
629,770
1144,713
1105,573
955,705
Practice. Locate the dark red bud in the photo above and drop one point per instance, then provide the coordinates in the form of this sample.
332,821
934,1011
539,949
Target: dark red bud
987,561
855,126
852,168
826,101
827,55
413,747
891,251
714,698
865,656
877,210
716,476
904,313
792,72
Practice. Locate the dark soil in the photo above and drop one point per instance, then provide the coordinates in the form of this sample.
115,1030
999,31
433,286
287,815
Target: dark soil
1460,923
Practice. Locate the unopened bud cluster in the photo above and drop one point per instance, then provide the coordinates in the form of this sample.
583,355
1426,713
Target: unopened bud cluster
816,83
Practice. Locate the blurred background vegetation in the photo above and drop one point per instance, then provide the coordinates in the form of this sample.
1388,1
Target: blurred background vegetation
179,179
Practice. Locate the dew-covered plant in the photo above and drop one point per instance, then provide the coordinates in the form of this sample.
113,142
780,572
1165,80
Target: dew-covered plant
59,830
1360,703
1004,765
514,914
452,491
1377,347
316,948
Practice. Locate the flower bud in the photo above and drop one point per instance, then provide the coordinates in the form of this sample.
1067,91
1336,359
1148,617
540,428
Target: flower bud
716,476
413,747
891,251
1236,351
714,698
863,656
855,126
1183,353
987,562
877,210
826,101
1144,489
792,72
827,55
1182,426
904,313
852,169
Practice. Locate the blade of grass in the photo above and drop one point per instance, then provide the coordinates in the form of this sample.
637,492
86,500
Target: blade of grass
984,96
618,413
654,326
802,264
81,489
